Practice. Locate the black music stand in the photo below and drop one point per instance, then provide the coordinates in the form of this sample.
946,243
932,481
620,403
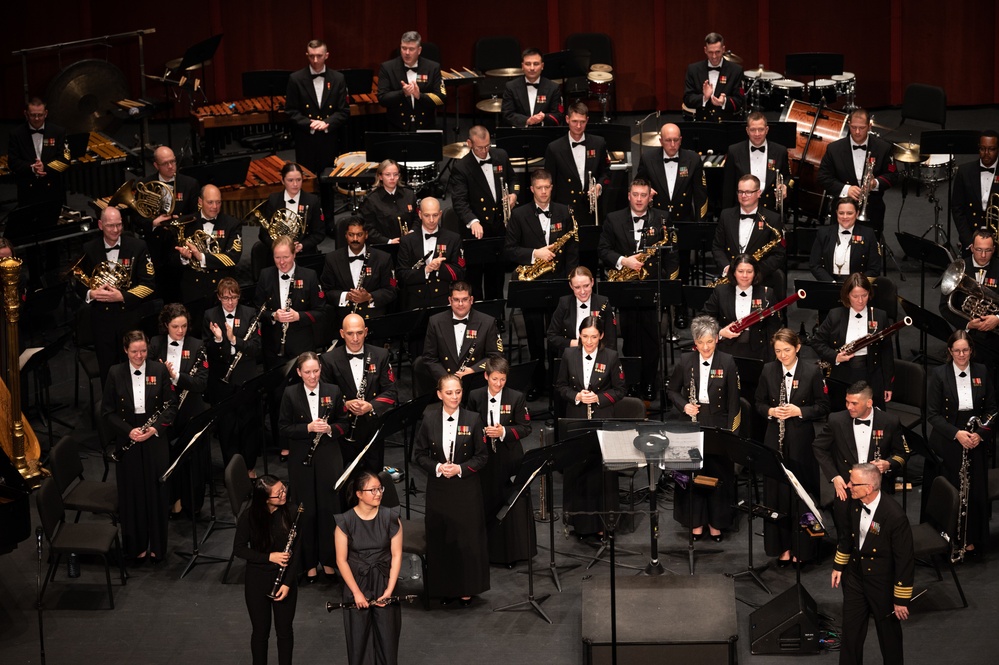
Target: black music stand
398,327
483,250
822,296
259,389
813,64
392,249
358,81
696,296
526,142
785,133
403,418
696,237
708,138
198,54
405,147
926,252
271,83
222,173
952,142
563,65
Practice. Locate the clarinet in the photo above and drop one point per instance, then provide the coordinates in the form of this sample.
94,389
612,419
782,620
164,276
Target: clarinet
780,421
145,428
246,338
286,324
589,407
361,389
492,423
317,438
292,534
199,362
692,394
467,359
391,600
360,281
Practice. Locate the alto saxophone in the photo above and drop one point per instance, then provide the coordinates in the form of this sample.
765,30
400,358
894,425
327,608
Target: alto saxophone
692,394
505,194
957,554
246,338
361,390
534,270
360,281
866,185
782,401
625,274
292,535
758,254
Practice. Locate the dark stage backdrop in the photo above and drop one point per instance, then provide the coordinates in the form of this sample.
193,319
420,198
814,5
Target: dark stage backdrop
887,44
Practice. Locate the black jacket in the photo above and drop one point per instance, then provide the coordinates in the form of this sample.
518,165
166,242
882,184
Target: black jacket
737,165
471,197
865,252
524,235
400,113
689,200
481,341
516,102
726,244
617,240
729,83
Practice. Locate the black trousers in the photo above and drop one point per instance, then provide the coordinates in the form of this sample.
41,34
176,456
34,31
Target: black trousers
859,603
258,584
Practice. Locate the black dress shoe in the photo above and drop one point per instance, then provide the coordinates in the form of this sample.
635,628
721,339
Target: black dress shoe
464,602
783,563
720,537
649,393
446,601
283,457
311,579
174,516
697,536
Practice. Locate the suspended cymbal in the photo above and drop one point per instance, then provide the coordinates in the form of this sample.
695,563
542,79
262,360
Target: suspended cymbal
732,57
520,161
456,150
82,95
490,105
599,67
907,153
647,139
172,65
505,72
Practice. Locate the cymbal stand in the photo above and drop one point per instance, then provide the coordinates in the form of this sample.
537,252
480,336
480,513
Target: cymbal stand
939,233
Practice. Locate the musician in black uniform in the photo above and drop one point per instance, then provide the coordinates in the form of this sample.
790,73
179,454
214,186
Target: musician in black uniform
135,391
590,382
31,148
563,331
842,168
975,185
740,297
876,566
313,411
357,278
458,340
955,392
262,532
349,365
389,211
450,447
477,183
532,101
305,205
626,236
705,384
983,267
861,434
316,104
226,332
530,238
214,256
573,160
676,176
187,366
712,88
759,157
506,423
844,248
114,310
747,230
875,363
410,87
429,260
790,394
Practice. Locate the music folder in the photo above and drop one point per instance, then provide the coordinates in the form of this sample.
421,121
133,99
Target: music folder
666,445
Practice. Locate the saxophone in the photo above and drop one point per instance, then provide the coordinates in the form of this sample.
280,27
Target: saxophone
532,271
246,338
505,194
782,401
957,554
866,184
758,254
360,282
361,390
292,535
692,394
629,275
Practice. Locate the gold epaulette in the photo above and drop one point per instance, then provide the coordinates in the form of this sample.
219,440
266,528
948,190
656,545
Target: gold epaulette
737,421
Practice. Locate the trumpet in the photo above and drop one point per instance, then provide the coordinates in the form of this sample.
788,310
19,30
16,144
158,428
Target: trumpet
866,185
505,194
149,199
978,302
246,338
292,535
692,394
403,228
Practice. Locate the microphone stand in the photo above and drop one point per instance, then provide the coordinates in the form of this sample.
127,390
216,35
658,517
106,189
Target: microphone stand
38,595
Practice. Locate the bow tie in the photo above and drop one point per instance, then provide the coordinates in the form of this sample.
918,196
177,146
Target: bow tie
285,276
844,232
963,374
410,69
742,294
359,257
450,419
714,69
112,249
589,357
492,400
546,213
38,131
989,169
460,322
319,76
866,509
858,315
582,306
533,85
573,144
860,147
706,363
355,356
667,160
788,375
753,148
312,394
747,216
640,218
858,421
230,316
428,236
137,373
483,162
291,201
174,343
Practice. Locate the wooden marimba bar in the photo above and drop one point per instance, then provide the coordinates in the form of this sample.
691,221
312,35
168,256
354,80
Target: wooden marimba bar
262,179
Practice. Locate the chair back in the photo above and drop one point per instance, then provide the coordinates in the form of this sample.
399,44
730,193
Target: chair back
631,408
238,485
942,507
599,45
65,462
927,103
500,52
391,497
50,509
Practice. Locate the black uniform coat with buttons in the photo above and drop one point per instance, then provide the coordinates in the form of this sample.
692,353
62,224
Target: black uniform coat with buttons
21,155
376,273
865,252
966,200
524,235
517,104
689,200
382,213
562,328
566,186
307,298
729,83
766,227
309,207
606,380
481,340
836,448
837,170
830,336
617,240
195,385
399,110
471,196
754,342
433,290
316,150
196,284
737,164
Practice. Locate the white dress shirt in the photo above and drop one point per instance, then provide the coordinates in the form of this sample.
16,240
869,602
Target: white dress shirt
36,140
862,437
589,359
841,255
867,516
986,180
758,163
138,388
746,228
284,285
493,414
705,371
532,95
743,303
582,312
579,157
672,168
174,355
450,433
965,400
856,328
312,397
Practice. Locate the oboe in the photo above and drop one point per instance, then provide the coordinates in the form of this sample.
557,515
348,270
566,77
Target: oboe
317,438
782,399
692,394
246,338
361,390
390,600
287,307
292,534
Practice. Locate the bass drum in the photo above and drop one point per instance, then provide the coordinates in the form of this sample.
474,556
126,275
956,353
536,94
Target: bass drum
823,128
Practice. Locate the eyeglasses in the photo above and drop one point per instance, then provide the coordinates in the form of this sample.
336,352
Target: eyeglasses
983,250
747,192
281,492
229,298
960,352
374,490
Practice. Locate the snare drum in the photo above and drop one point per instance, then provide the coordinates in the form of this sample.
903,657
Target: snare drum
823,89
599,83
936,168
784,90
351,164
417,174
762,79
845,83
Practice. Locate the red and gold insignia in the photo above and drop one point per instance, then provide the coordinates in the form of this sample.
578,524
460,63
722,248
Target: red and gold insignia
328,85
716,374
463,430
976,381
391,374
556,227
620,373
179,196
722,80
498,168
757,303
301,208
872,325
527,415
322,294
298,284
682,172
150,380
125,261
461,259
372,368
794,384
220,233
367,271
325,400
470,333
759,225
990,281
651,231
505,409
422,78
599,368
857,240
878,434
771,165
185,354
235,323
409,207
541,99
591,154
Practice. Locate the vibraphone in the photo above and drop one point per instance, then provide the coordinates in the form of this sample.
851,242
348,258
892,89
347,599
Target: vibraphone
262,179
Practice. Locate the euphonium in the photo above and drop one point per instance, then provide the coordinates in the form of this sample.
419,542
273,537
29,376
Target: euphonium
979,301
149,199
534,270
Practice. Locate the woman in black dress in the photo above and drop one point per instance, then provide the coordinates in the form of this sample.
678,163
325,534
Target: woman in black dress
135,390
369,557
736,300
309,410
451,449
261,539
805,401
389,207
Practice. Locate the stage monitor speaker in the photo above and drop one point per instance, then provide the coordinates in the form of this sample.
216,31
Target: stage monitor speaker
786,624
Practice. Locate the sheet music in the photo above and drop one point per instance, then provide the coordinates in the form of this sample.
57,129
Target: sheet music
618,449
686,450
803,495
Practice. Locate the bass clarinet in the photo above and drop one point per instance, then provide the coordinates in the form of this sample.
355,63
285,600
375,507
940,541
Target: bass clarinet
362,388
292,535
964,475
317,438
246,338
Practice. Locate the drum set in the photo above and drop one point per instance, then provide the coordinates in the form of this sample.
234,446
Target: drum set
930,170
770,91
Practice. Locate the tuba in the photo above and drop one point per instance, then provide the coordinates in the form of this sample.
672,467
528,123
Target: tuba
978,300
106,273
283,222
149,199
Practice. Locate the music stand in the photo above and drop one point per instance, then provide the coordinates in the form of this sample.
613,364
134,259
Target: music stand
813,64
270,83
696,296
222,173
563,65
405,147
822,296
358,81
784,133
526,143
403,418
927,252
198,54
707,138
695,237
483,250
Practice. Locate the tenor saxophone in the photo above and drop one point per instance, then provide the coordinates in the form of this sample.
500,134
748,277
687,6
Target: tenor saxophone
692,394
292,535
